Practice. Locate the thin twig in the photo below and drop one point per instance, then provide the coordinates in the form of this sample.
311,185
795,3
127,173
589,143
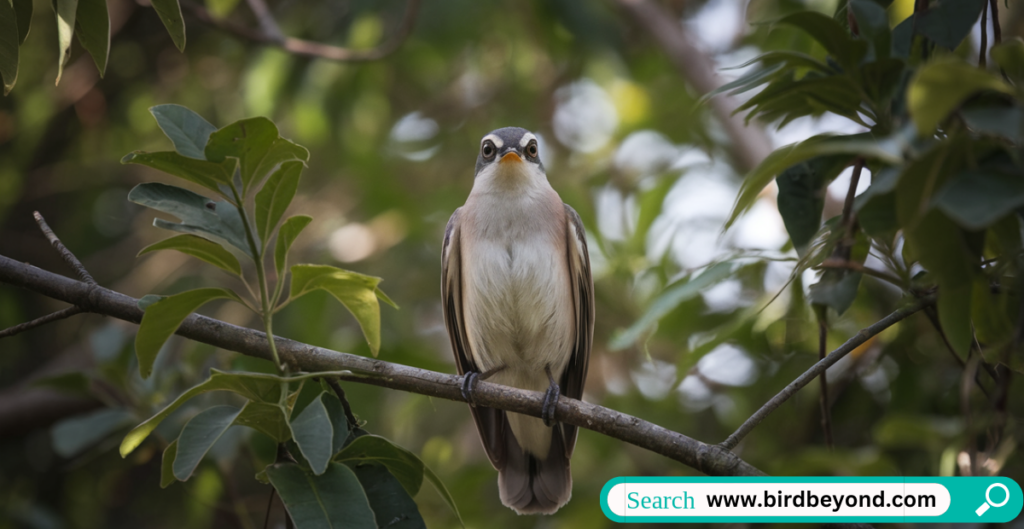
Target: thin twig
43,320
66,254
308,48
826,416
352,422
857,267
820,367
709,459
984,38
266,19
270,503
997,32
965,409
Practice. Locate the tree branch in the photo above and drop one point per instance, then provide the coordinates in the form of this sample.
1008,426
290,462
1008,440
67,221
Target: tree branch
42,320
270,33
821,366
709,459
750,144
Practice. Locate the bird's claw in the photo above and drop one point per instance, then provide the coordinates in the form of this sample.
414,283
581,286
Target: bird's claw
547,410
468,381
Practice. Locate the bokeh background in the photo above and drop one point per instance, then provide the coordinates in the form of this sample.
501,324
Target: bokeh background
652,171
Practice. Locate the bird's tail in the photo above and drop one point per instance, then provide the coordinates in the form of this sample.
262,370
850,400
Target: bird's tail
530,485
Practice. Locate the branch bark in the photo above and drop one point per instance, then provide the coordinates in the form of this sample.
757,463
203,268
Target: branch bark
709,459
750,145
821,366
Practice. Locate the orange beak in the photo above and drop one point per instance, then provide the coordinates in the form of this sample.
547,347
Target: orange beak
511,157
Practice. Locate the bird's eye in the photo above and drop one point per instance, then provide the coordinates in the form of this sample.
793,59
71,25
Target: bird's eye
531,149
488,149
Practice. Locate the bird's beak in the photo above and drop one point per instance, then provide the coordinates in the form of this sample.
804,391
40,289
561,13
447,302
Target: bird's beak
511,157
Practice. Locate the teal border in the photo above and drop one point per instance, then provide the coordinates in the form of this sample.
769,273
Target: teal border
963,493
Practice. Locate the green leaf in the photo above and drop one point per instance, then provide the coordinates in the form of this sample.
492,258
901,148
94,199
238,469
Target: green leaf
72,435
948,22
830,34
216,221
276,195
289,231
887,150
942,85
8,45
267,418
248,140
259,387
65,11
873,23
187,130
339,422
392,506
668,300
221,8
24,11
802,190
92,26
747,82
314,433
402,464
167,465
357,292
199,248
207,174
836,289
281,151
1006,122
170,14
333,499
199,435
977,199
73,383
1009,55
148,299
164,317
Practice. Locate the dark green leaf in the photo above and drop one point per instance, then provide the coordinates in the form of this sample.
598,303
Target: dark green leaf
836,289
187,130
167,465
281,151
339,422
65,11
392,506
903,38
668,300
948,22
199,435
313,432
276,195
1009,55
266,417
165,316
170,14
877,215
357,292
289,231
802,190
199,248
8,45
249,140
942,85
207,174
71,436
747,82
24,10
830,34
334,499
996,121
873,23
402,464
216,221
976,199
92,26
73,383
148,299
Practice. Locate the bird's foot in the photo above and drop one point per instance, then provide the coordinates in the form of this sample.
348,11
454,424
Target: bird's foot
547,410
468,381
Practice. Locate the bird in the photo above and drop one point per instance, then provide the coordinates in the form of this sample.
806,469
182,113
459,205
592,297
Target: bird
518,303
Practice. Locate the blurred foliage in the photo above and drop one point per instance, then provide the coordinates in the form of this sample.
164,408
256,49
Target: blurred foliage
686,336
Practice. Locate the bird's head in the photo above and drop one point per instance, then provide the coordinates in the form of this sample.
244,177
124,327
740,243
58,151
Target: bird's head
510,154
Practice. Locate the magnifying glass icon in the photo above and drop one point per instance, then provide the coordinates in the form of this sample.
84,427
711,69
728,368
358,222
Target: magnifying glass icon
988,500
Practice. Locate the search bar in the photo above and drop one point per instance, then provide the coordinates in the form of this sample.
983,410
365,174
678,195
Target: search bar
813,499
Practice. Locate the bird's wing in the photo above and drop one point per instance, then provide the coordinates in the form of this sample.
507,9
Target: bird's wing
583,297
489,421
